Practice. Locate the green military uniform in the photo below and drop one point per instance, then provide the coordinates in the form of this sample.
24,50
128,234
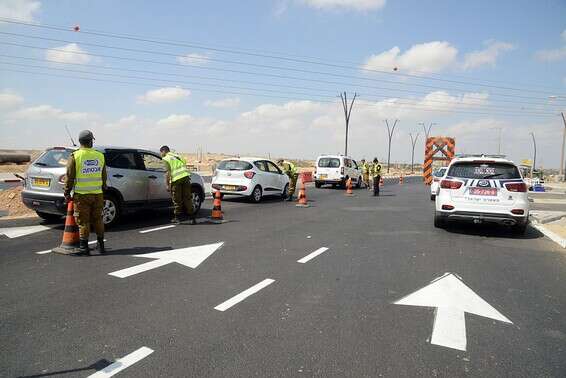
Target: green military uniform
86,174
365,173
375,172
179,179
291,170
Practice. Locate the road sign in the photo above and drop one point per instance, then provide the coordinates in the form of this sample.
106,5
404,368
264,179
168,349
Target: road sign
451,298
191,257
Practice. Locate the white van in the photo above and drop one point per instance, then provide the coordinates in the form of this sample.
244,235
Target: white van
335,170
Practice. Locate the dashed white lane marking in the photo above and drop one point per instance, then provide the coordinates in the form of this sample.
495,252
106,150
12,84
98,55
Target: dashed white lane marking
244,294
157,229
49,250
123,363
16,232
311,256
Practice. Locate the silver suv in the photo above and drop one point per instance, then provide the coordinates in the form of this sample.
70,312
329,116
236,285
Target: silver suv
136,180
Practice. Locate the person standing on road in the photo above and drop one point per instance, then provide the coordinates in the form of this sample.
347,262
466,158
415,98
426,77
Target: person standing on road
86,174
376,175
290,170
178,180
365,172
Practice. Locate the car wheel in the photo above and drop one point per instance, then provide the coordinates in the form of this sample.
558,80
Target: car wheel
359,183
111,210
439,221
256,194
285,192
432,197
197,198
317,184
49,217
520,228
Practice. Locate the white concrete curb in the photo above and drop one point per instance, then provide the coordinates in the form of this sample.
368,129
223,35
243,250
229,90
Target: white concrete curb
551,235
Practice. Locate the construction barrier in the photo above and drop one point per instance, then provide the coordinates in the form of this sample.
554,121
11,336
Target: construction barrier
302,196
437,149
306,177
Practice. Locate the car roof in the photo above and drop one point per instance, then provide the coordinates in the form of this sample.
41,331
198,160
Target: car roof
249,159
106,147
334,156
482,158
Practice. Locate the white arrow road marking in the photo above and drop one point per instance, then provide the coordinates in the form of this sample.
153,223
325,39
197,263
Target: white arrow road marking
50,250
191,257
16,232
122,363
244,294
452,298
311,256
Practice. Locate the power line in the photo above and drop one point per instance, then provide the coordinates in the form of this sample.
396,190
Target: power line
288,57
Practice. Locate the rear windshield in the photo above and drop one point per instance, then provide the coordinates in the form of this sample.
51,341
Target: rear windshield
440,172
234,165
484,170
53,158
329,163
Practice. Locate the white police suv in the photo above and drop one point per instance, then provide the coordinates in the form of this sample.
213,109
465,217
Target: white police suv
483,189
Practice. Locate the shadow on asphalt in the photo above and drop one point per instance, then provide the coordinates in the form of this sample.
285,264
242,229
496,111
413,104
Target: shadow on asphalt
492,231
149,218
98,365
132,251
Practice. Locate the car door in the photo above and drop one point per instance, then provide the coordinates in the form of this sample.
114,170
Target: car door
126,174
263,177
154,166
276,175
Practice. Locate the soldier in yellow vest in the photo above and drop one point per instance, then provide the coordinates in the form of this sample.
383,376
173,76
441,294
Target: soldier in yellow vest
376,175
179,184
290,170
86,175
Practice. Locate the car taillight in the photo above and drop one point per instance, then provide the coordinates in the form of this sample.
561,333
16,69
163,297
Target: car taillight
249,174
342,170
436,180
447,207
450,184
62,179
518,211
520,187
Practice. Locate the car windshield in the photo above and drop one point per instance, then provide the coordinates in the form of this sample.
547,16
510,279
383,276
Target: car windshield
440,172
484,170
53,158
234,165
329,163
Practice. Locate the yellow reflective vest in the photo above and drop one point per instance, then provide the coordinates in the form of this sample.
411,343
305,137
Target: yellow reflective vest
290,169
177,165
88,165
375,170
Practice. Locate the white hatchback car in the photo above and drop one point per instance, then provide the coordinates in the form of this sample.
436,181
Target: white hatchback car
335,170
250,177
483,189
437,175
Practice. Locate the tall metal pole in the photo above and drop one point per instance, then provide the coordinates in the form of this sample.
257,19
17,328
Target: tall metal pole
534,154
347,113
427,129
413,142
390,135
562,151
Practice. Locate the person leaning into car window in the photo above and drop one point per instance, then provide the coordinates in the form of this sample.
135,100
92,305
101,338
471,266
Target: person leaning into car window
179,184
86,174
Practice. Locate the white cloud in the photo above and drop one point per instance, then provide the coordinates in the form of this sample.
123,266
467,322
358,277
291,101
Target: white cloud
194,59
552,55
232,102
48,112
357,5
161,95
9,100
198,126
23,10
426,57
488,56
131,120
70,53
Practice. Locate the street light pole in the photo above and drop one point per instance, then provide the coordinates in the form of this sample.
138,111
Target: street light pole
563,144
534,154
347,113
390,135
413,142
427,130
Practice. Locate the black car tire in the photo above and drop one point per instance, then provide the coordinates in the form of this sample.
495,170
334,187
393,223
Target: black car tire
439,221
111,211
520,228
432,197
256,195
317,184
196,191
49,217
285,192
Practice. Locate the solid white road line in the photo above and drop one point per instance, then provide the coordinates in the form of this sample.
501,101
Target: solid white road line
311,256
157,229
140,268
122,363
244,294
49,250
16,232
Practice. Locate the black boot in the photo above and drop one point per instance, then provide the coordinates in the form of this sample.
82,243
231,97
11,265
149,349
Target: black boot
290,198
83,247
101,248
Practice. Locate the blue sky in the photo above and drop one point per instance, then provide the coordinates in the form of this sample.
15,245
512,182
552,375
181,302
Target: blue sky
466,53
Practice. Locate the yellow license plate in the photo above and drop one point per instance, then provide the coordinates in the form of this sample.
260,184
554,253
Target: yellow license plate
322,177
41,182
229,187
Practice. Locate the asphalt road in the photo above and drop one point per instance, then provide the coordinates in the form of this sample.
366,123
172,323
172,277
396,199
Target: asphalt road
332,316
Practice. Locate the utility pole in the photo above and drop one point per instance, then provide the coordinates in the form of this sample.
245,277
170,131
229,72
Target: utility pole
347,113
562,151
427,130
413,142
390,135
498,139
534,154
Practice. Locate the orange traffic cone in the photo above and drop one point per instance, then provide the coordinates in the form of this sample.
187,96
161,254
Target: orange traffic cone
401,180
302,196
71,236
381,182
217,215
349,191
